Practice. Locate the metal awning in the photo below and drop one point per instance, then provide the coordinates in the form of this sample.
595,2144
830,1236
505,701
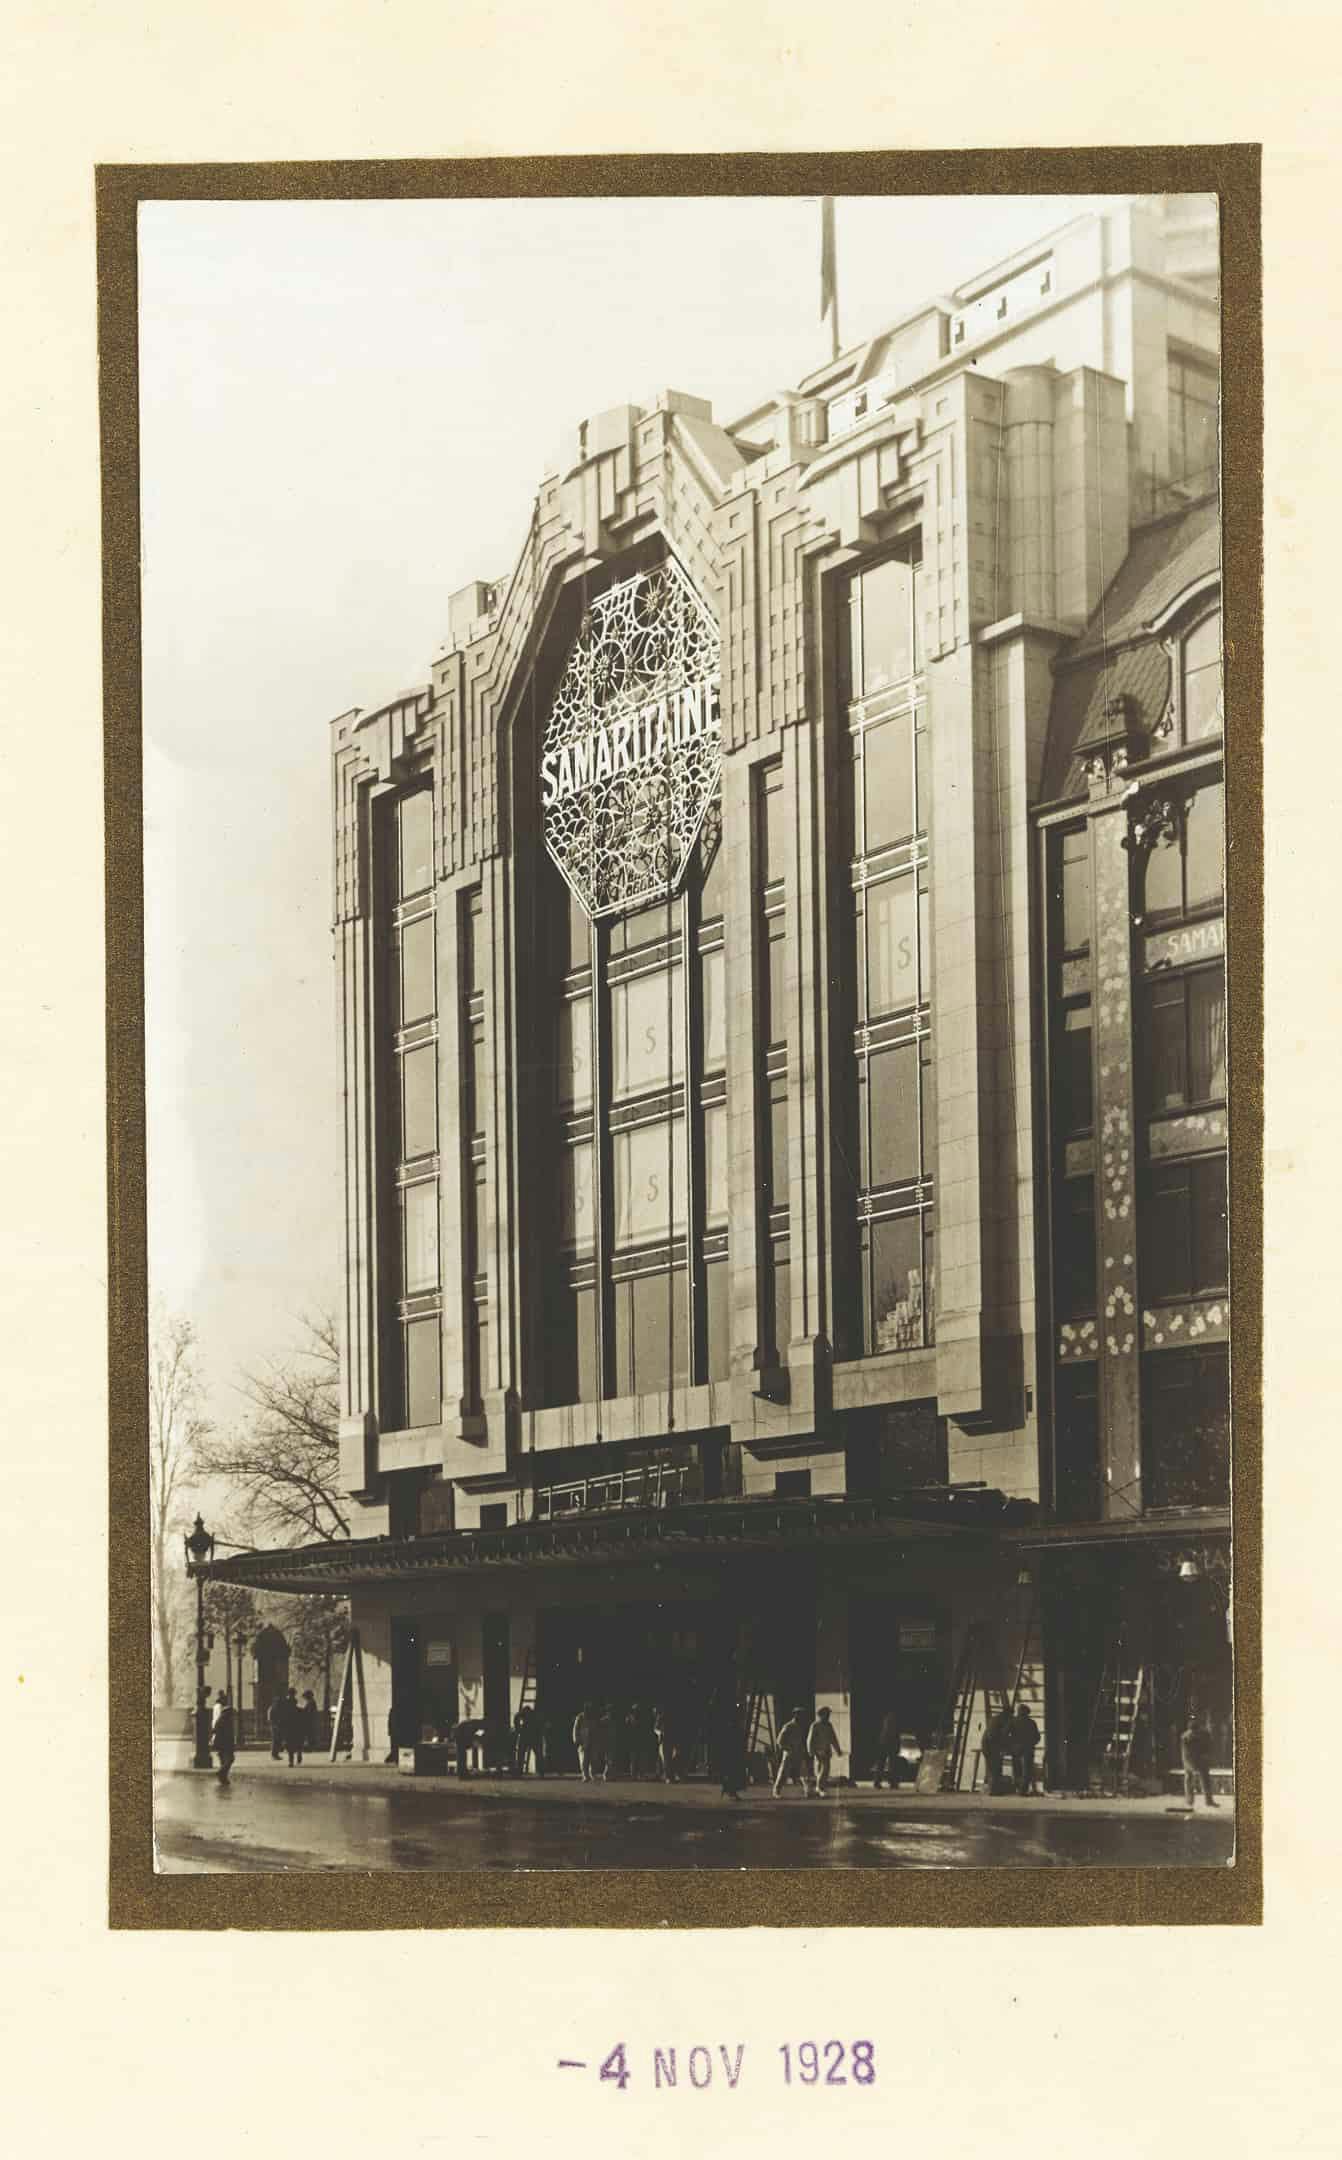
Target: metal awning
1185,1528
704,1530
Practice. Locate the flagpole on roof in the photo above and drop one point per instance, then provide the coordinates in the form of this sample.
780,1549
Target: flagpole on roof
829,273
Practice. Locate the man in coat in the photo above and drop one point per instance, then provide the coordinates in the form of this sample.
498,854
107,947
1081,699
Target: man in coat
275,1720
887,1751
223,1735
995,1745
1024,1741
1195,1752
791,1745
293,1727
822,1745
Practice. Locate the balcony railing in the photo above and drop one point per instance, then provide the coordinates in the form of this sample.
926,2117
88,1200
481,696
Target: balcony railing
649,1485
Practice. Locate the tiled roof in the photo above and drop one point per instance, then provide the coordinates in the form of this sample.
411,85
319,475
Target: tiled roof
1165,560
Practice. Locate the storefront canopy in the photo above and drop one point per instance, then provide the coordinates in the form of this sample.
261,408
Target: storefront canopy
626,1535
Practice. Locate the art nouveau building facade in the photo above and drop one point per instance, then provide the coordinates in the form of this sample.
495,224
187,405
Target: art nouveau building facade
781,991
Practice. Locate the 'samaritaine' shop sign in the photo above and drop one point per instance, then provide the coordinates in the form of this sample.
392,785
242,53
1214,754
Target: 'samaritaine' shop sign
632,756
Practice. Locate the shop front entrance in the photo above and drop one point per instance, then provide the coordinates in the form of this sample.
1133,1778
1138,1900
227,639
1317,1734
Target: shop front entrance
658,1655
899,1659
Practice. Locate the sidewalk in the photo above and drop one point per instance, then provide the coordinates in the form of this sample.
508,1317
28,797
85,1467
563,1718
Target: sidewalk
173,1757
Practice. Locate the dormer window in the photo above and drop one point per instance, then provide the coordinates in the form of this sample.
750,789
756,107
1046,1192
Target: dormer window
1200,699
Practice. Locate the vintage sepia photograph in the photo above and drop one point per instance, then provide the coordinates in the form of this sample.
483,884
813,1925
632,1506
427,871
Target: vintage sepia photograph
687,1050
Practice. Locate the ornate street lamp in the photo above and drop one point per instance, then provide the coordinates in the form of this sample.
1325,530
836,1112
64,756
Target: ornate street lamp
200,1548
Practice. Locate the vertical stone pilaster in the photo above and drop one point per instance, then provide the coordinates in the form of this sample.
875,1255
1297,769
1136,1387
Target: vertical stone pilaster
744,1079
1115,1165
453,1167
809,1350
498,1231
361,1362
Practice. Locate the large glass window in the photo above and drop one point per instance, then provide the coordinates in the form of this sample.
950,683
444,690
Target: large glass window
892,945
1073,888
1184,874
419,1219
650,1181
647,1024
423,1390
419,1110
1074,1070
887,781
574,1062
651,1333
1185,1245
1186,1428
715,1010
1193,421
414,815
1184,1028
418,995
1201,679
576,1218
900,1282
895,1154
880,642
1074,1256
715,1166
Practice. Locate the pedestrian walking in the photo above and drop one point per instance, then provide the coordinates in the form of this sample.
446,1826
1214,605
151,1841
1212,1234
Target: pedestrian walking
1195,1752
994,1747
664,1732
311,1722
224,1735
275,1720
1024,1741
887,1752
293,1728
822,1745
584,1725
791,1745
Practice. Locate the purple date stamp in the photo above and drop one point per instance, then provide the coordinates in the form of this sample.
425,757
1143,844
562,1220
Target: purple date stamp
799,2062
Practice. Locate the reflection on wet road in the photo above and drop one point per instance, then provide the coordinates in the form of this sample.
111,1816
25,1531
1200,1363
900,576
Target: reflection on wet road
256,1824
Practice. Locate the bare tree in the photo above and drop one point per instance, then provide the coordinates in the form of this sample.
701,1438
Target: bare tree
177,1430
231,1609
284,1465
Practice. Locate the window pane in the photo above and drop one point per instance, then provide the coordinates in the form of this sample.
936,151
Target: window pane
1166,1055
1075,880
419,1116
585,1322
472,1097
1163,890
897,1283
1186,1428
887,757
892,934
661,1331
624,1338
1202,846
710,895
779,1171
644,1056
1207,1036
927,1070
924,940
1076,1445
887,626
893,1096
922,773
716,1279
918,601
574,1066
771,832
572,928
419,1207
930,1277
782,1299
415,819
423,1394
1075,1112
650,926
575,1196
777,987
644,1175
715,1011
715,1166
1211,1242
417,985
471,956
1202,679
1075,1288
1167,1235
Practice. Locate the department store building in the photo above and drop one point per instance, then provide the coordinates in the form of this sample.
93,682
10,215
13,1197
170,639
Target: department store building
780,958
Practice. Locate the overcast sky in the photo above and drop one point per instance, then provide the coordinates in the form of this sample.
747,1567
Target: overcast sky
345,411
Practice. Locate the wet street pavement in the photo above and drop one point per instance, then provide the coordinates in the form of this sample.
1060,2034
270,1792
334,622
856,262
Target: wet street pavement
257,1823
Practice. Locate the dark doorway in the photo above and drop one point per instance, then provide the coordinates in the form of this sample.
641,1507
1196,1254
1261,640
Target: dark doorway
498,1709
898,1660
271,1652
404,1728
438,1709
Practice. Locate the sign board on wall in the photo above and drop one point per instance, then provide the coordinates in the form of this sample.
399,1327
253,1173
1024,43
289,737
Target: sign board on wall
632,755
438,1653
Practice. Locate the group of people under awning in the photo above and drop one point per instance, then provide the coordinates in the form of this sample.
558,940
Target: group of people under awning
1010,1734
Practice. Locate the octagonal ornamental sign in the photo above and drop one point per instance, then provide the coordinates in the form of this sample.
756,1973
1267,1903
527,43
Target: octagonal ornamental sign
632,756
